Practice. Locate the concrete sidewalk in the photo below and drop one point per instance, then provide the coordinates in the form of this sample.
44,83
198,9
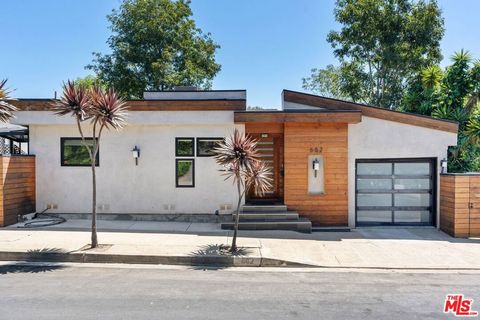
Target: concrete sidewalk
185,243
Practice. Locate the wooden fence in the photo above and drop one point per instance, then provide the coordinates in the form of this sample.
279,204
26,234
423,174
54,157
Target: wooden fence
17,192
460,204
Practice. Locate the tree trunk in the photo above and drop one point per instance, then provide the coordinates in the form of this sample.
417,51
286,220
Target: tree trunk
233,248
94,207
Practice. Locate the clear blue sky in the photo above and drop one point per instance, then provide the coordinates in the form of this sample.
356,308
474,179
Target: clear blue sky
266,45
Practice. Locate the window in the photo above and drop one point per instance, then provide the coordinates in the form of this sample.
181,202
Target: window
184,147
185,173
75,154
205,146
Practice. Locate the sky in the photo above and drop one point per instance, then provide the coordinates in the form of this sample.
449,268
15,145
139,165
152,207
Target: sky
266,45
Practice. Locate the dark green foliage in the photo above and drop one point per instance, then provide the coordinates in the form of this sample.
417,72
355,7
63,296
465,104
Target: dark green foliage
452,95
185,147
380,45
183,167
75,153
155,46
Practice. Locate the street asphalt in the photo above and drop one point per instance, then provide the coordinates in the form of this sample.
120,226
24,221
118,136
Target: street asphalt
69,291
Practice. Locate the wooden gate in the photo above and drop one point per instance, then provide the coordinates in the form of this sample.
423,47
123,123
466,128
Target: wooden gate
460,204
17,187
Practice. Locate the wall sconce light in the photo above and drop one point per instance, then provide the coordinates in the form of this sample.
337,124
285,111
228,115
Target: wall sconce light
444,165
136,154
315,166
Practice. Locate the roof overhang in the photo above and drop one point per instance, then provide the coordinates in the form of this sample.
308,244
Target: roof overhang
14,132
349,116
370,111
146,105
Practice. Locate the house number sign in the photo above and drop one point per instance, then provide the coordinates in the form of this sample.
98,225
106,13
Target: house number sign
316,150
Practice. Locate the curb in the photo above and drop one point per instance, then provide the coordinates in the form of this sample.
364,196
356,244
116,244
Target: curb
194,260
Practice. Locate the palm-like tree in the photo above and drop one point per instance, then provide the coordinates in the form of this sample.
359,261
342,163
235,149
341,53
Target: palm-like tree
6,108
105,109
238,157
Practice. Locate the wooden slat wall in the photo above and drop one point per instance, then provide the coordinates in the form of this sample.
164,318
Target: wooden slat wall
460,205
475,209
17,194
331,208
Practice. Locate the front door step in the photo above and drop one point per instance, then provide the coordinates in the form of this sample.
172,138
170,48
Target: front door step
254,216
271,217
267,208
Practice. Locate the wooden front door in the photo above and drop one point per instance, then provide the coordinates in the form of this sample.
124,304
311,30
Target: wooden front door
270,151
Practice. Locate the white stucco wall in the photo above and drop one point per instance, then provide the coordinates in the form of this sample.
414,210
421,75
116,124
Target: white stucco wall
123,187
376,139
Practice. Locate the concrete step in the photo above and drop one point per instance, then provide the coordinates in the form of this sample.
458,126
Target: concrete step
267,208
263,216
331,229
300,225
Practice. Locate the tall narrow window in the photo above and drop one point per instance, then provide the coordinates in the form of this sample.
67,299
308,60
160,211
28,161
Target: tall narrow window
75,154
185,173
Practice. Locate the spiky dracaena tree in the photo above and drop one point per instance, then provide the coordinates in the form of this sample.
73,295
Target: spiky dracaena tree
6,108
237,155
105,110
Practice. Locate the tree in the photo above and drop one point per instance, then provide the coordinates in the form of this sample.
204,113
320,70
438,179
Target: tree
155,46
453,94
381,44
237,154
89,82
326,82
6,108
105,110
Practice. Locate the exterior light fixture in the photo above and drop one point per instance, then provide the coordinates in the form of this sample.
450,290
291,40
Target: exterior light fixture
136,154
315,166
444,165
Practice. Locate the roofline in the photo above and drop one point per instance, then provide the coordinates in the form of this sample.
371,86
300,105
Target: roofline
304,116
370,111
146,105
224,90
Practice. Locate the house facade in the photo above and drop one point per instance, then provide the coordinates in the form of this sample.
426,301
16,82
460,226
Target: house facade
336,163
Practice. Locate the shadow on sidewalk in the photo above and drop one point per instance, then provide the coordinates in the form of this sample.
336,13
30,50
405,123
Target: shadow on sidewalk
364,233
215,257
54,255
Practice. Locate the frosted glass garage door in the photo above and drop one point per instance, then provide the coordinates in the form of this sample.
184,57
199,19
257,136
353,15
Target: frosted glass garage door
394,192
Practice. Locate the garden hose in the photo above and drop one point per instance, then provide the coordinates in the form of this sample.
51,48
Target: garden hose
43,219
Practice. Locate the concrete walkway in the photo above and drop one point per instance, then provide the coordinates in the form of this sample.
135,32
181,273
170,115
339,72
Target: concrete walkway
193,243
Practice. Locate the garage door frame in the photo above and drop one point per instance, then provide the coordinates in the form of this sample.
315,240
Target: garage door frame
433,191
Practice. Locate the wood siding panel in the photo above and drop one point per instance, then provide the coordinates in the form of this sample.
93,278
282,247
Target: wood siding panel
17,196
330,208
474,219
345,116
145,105
460,205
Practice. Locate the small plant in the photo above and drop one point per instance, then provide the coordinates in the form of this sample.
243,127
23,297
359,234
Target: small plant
6,108
237,154
104,109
